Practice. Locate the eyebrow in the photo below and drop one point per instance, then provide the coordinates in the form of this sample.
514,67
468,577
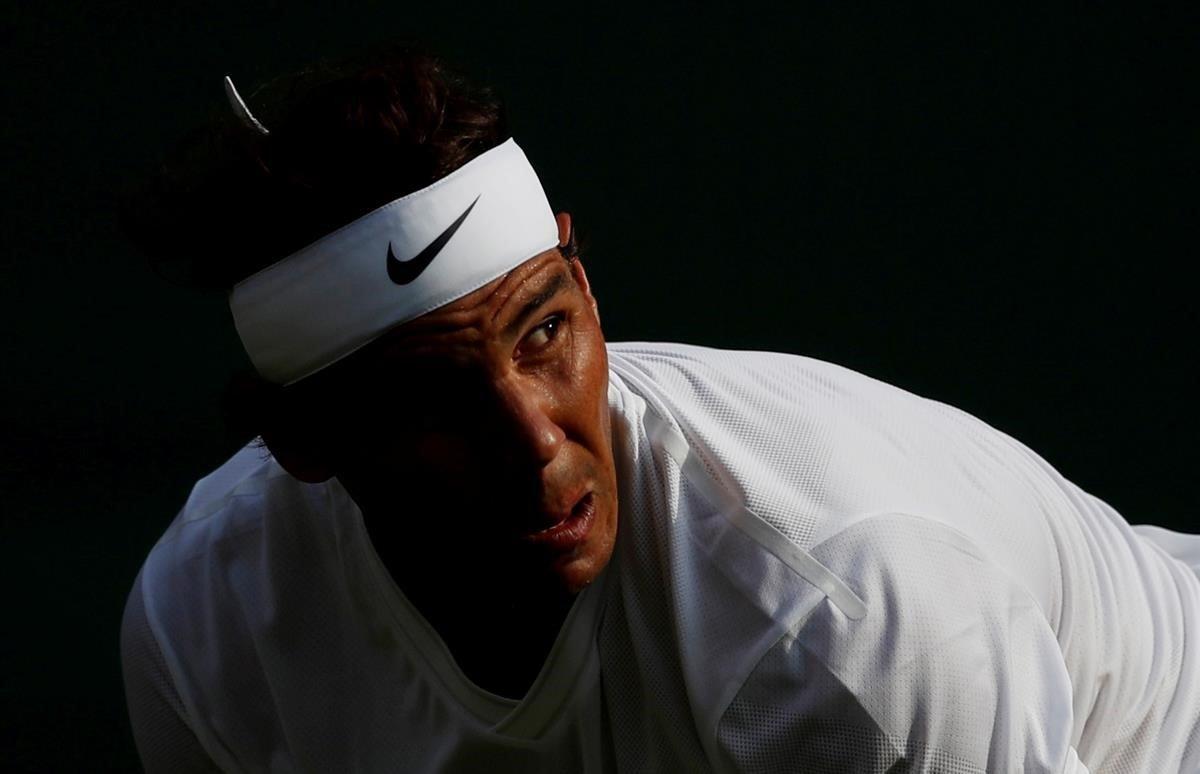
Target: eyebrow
553,287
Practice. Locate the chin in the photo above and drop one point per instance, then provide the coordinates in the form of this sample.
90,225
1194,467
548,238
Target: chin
577,574
577,571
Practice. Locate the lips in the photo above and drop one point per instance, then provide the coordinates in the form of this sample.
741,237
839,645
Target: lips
572,527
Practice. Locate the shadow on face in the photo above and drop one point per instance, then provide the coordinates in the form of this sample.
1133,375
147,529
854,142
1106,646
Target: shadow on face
470,436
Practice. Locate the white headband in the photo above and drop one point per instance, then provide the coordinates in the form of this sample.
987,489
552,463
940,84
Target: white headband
395,263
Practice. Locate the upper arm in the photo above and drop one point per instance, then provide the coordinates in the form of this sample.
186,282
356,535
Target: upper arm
164,739
953,668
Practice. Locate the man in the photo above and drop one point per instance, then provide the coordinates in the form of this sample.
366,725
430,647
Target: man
479,537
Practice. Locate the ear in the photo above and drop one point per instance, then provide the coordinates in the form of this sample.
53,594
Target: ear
565,236
582,281
564,228
298,456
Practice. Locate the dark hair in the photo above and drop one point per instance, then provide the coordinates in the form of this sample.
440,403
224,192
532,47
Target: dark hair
344,138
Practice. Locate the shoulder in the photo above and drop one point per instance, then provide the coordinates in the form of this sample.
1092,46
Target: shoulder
252,559
754,398
811,447
953,664
241,588
762,391
221,518
787,434
232,503
237,543
178,612
248,473
740,395
707,372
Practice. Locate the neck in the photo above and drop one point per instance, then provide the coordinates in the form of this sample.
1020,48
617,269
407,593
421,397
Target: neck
499,620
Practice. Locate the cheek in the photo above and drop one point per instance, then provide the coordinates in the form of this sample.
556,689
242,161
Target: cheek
415,463
589,365
591,389
436,452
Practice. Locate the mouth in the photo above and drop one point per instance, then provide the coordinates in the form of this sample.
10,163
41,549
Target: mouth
571,530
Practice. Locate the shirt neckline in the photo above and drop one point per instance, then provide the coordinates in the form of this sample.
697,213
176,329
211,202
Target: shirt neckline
555,682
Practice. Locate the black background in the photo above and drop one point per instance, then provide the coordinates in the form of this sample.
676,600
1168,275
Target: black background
996,211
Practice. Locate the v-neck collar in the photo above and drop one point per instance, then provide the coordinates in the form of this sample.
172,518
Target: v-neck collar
524,718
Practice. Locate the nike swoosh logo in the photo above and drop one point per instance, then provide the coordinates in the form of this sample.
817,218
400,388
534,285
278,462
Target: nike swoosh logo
404,272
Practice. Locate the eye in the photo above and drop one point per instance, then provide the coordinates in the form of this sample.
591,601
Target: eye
543,335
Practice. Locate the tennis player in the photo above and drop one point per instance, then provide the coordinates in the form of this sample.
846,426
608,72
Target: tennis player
472,535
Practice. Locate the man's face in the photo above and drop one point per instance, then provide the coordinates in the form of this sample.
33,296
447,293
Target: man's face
481,438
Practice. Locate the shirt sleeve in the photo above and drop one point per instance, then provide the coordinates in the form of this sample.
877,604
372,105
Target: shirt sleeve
165,741
953,669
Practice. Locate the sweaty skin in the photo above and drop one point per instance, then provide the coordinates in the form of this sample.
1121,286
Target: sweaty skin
461,435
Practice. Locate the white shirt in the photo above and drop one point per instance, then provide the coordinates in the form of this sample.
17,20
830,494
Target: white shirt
814,571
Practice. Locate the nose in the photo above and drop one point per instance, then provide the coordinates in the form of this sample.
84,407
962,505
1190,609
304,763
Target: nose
530,430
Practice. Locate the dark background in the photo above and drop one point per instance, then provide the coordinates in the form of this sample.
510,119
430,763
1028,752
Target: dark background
994,211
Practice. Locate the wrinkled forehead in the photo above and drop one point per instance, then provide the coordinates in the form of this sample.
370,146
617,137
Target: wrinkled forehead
451,339
489,314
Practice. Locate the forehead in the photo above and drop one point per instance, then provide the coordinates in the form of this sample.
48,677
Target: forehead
482,314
